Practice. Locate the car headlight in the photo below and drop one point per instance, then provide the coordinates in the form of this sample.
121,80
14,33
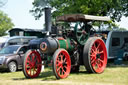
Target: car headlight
2,58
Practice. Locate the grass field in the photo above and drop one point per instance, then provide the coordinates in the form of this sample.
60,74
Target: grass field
114,75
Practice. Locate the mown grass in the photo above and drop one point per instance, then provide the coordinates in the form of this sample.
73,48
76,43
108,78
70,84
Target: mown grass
114,75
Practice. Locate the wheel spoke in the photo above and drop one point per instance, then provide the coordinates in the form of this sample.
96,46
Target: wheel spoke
35,59
92,56
35,70
101,61
65,67
58,63
98,46
93,61
97,66
28,60
94,64
61,58
65,60
63,72
94,47
58,68
101,52
98,63
92,51
80,37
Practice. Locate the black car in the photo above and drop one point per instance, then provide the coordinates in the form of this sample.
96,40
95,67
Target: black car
11,57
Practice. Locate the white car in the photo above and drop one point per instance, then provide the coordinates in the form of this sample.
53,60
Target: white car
16,40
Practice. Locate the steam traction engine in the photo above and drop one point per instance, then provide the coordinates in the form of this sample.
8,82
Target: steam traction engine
68,47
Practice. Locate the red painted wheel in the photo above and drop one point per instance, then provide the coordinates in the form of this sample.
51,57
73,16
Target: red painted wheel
95,55
32,64
61,64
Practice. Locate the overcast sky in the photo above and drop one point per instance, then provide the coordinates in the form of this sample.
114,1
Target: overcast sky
18,11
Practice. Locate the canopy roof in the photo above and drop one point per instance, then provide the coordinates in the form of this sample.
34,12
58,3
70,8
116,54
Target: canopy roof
81,17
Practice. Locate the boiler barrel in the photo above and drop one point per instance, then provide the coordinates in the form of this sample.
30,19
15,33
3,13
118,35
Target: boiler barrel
50,45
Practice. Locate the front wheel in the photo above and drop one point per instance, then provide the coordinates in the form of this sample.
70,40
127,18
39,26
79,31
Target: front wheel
61,64
95,55
32,64
12,66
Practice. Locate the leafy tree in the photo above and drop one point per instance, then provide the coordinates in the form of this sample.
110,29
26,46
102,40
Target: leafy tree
113,8
5,23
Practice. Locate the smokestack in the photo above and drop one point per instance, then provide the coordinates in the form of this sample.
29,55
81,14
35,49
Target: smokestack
48,19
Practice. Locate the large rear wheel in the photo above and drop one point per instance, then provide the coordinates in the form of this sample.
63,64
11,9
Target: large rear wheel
32,64
61,64
95,55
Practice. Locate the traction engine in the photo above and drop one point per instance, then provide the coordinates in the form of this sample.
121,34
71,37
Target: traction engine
67,47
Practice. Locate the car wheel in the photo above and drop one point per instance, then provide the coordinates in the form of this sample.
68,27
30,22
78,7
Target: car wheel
12,66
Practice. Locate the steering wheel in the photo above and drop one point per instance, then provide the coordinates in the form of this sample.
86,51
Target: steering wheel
80,33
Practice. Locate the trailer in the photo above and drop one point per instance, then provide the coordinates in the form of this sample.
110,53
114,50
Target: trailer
117,46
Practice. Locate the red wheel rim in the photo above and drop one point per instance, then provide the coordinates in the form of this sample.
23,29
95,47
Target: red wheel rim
33,64
63,64
98,56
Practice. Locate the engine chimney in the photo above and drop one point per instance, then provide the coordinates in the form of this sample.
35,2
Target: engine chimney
48,19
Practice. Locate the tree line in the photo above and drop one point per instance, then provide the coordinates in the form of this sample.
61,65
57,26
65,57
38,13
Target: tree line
115,9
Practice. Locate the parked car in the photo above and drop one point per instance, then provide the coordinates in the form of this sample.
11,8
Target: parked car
11,57
16,40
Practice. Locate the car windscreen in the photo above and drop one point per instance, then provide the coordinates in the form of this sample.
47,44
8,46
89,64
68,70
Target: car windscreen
9,50
1,45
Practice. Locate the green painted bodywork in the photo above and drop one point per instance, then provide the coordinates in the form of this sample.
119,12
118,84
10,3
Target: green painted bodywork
66,44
